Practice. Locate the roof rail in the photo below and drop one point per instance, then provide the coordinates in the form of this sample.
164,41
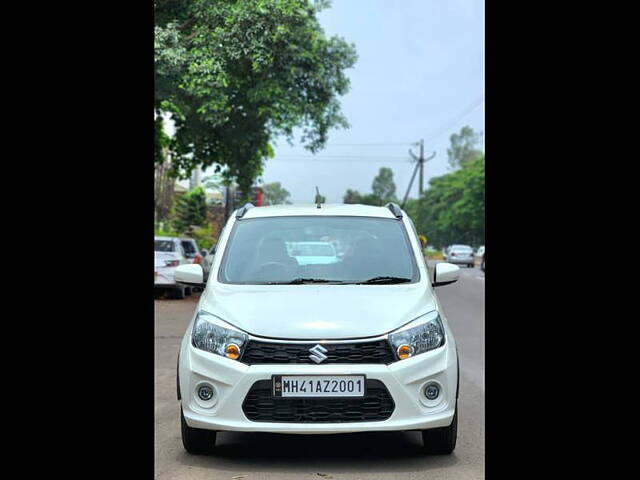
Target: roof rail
242,210
395,209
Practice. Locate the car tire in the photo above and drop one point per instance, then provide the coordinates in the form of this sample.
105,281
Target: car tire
187,291
178,293
197,441
441,441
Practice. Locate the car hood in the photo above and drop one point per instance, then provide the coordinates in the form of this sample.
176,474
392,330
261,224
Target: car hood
317,312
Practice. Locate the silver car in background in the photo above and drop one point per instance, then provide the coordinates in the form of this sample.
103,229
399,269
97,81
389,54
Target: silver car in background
460,254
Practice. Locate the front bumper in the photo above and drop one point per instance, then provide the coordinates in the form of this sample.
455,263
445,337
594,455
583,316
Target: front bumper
405,381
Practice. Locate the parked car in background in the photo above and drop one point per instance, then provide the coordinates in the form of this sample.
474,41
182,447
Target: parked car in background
480,251
207,261
190,248
169,253
460,255
482,262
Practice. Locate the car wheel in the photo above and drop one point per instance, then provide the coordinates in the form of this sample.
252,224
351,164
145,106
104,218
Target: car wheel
196,441
441,441
187,291
178,293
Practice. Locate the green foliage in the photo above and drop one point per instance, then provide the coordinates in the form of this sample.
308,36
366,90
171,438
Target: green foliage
275,194
191,209
204,237
163,229
352,196
234,75
463,147
161,141
452,208
383,187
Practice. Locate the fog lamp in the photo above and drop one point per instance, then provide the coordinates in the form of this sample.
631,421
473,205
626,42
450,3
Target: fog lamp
205,392
232,351
432,391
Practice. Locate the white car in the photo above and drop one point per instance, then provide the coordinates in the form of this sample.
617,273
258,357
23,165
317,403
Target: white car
307,253
359,345
169,253
460,254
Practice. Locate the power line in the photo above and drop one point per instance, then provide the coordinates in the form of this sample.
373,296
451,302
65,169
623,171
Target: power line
459,117
324,157
368,144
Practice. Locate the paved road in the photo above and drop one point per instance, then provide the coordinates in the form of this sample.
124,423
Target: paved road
348,456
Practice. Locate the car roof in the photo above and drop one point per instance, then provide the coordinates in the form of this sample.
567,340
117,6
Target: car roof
311,209
166,238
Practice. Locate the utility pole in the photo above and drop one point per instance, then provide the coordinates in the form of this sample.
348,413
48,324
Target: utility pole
421,167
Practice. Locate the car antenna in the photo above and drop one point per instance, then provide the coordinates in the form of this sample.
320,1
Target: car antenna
318,198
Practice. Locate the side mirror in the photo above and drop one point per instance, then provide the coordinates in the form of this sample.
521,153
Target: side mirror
190,274
444,274
203,253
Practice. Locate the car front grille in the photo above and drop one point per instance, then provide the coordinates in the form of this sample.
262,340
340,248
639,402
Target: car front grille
261,406
259,352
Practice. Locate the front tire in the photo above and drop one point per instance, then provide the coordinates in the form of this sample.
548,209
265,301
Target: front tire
196,441
441,441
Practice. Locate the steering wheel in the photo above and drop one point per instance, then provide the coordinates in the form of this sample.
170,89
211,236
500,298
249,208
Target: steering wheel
265,267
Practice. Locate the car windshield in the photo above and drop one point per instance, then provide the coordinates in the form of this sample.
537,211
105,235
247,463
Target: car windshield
165,246
283,250
188,247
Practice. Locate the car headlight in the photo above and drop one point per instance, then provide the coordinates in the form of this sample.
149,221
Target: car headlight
421,335
214,335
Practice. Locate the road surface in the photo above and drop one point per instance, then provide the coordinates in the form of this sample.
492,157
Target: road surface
384,455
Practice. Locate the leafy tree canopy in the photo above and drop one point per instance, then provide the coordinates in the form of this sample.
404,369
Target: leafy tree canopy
383,190
383,186
352,196
235,74
452,208
275,194
463,147
191,210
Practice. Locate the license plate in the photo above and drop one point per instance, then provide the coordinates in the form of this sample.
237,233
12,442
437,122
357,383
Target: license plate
318,386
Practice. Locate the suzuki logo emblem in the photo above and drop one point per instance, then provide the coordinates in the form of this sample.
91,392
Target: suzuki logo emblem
318,353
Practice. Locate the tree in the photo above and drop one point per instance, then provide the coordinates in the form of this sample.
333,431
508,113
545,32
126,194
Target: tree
163,181
191,210
274,194
383,188
352,196
462,149
452,208
234,75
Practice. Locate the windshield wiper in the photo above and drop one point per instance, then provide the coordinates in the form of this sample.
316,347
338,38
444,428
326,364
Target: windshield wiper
385,280
299,281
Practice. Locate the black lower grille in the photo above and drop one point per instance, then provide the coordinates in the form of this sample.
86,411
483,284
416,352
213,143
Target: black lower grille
257,352
260,406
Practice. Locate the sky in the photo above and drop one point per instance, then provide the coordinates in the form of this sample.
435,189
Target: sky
419,75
